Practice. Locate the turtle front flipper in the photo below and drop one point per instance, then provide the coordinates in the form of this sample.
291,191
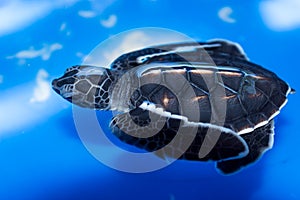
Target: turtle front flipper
172,137
144,129
135,128
258,141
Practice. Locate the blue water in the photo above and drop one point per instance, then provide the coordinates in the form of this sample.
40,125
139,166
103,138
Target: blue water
41,154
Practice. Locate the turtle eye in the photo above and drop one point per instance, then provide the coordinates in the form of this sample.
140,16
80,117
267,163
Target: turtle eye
65,81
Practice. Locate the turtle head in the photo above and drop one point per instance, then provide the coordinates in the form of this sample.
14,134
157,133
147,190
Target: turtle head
85,86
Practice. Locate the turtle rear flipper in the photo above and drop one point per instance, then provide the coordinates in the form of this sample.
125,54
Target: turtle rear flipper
258,141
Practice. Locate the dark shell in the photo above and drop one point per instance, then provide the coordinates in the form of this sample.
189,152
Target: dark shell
250,99
217,71
220,75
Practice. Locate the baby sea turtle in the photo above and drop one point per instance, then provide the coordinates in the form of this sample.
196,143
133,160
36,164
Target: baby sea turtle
222,104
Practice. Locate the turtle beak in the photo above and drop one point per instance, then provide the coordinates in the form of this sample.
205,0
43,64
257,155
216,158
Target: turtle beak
54,86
